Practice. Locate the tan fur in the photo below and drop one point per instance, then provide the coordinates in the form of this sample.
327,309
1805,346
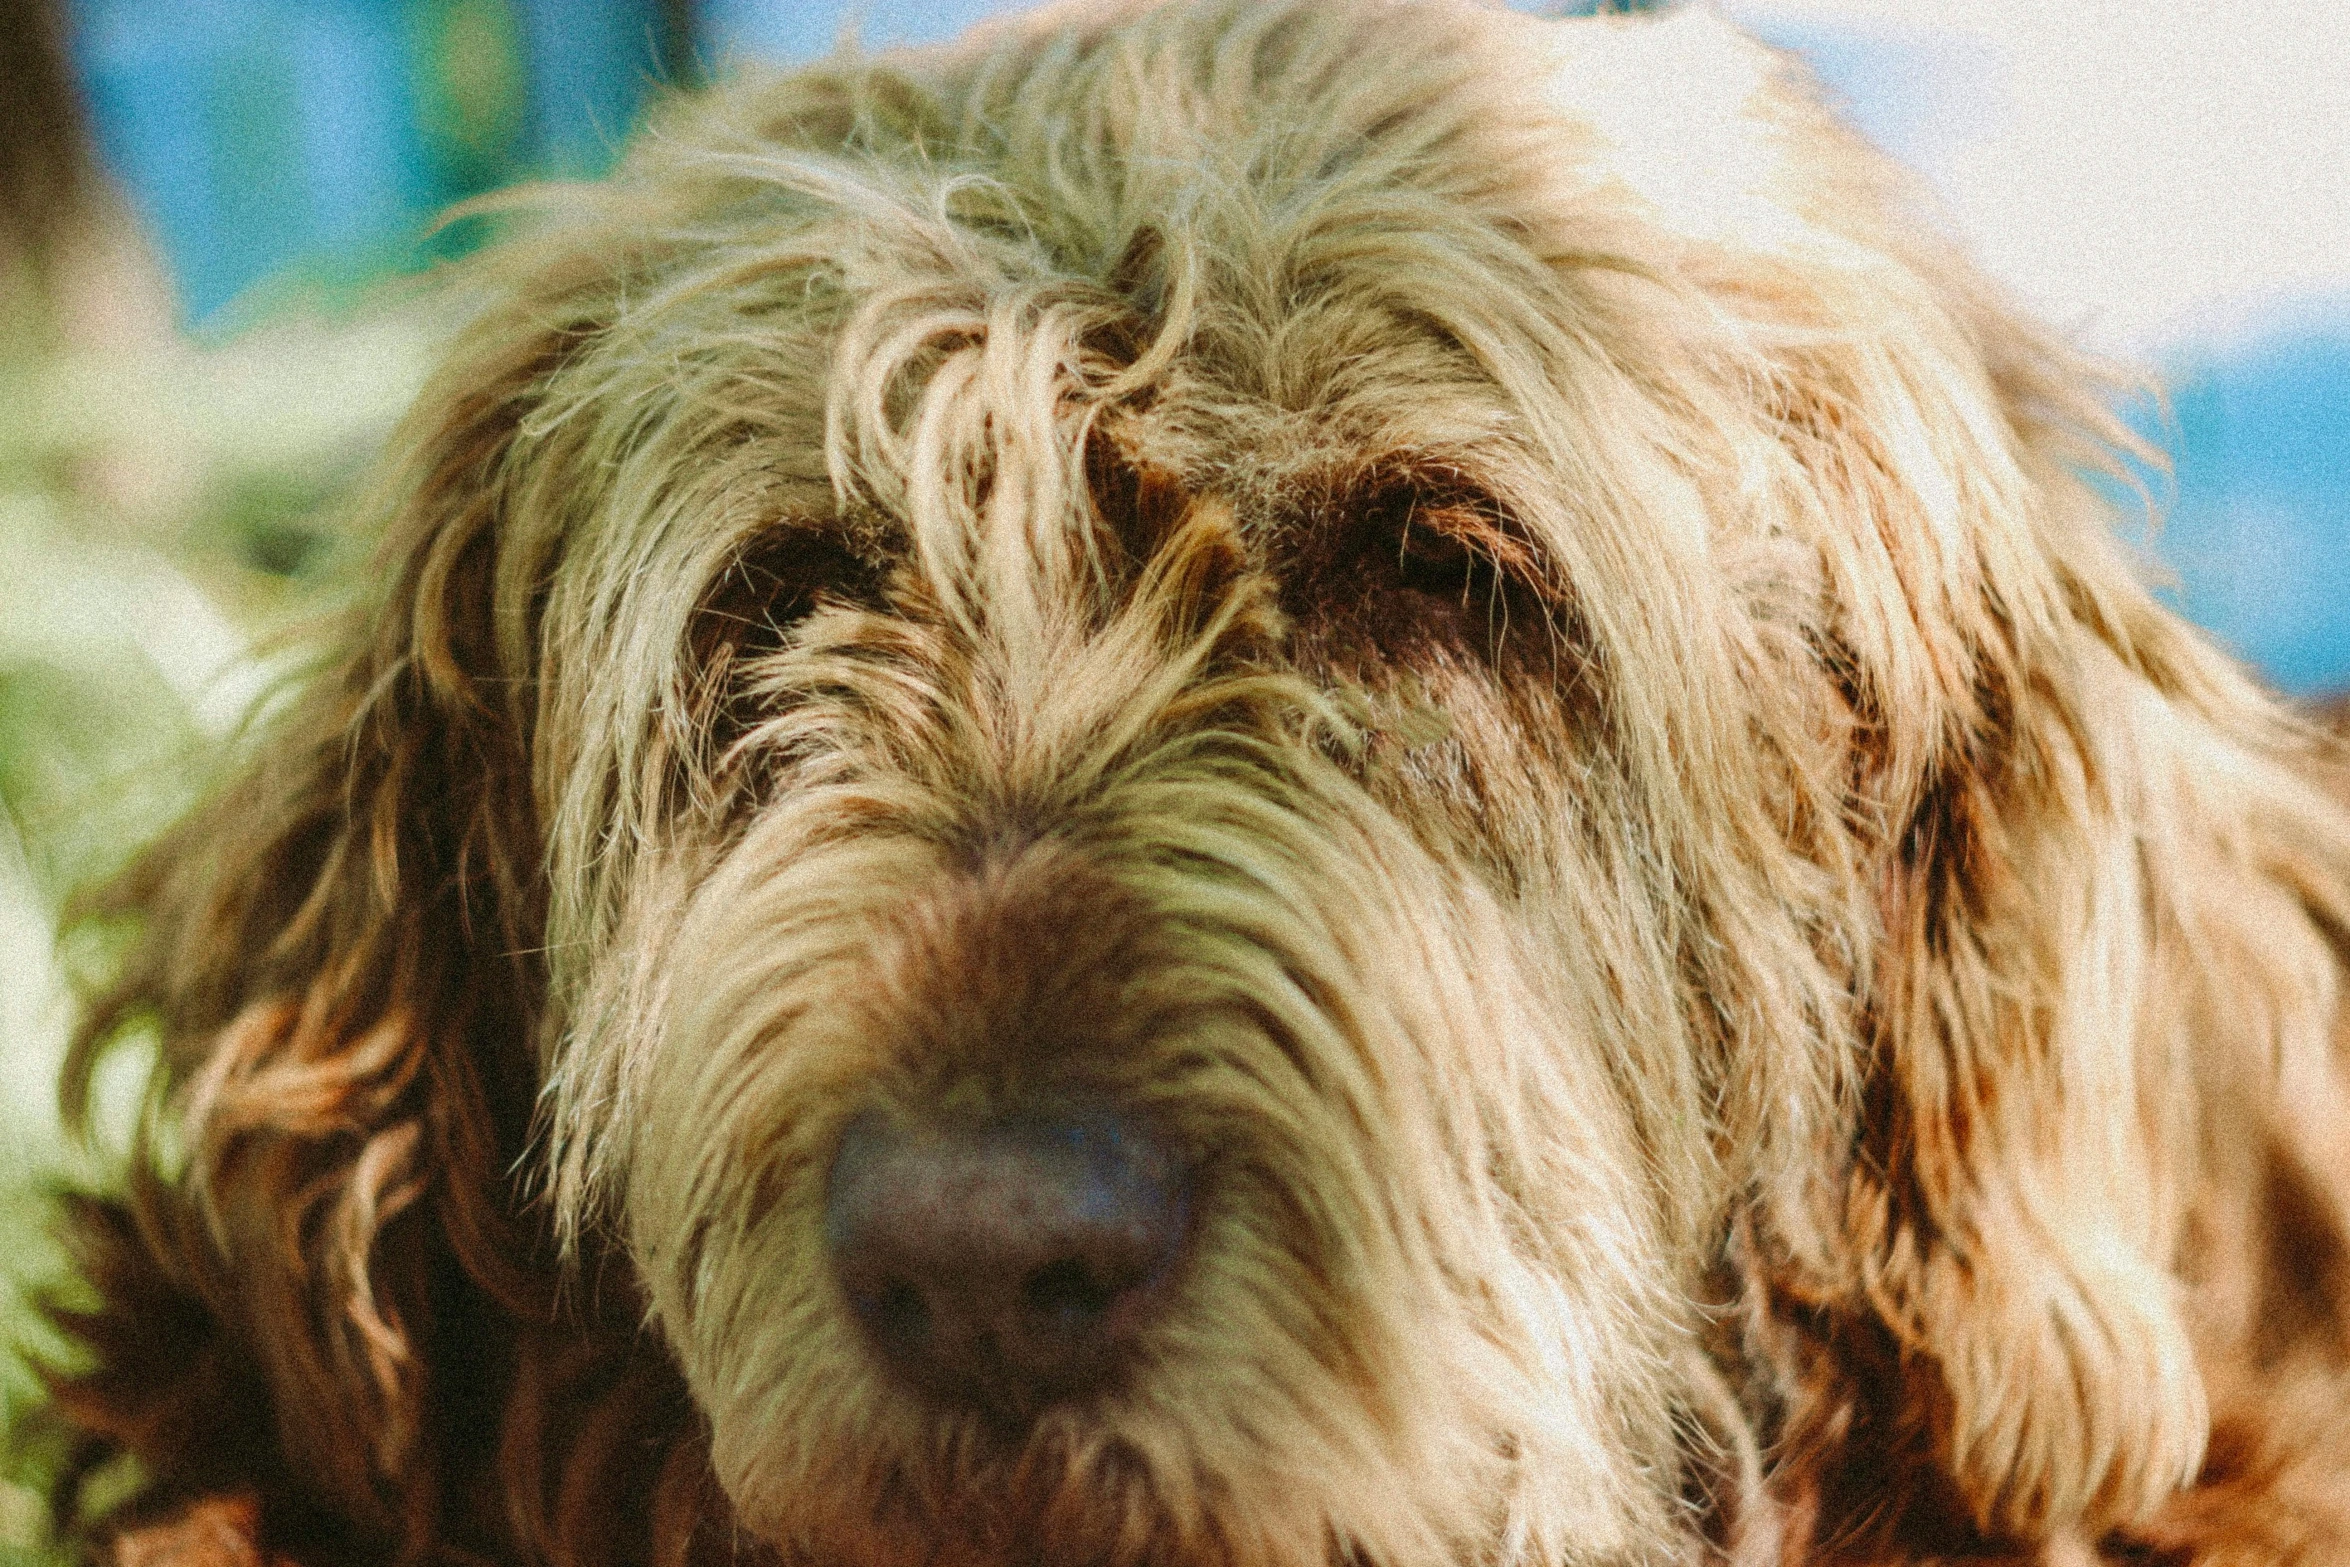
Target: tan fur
1474,615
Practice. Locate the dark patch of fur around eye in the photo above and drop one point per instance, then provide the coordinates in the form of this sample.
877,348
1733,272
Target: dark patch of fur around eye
1429,610
1413,567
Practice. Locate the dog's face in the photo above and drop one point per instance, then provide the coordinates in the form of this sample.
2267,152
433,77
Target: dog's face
1242,667
1268,741
1188,640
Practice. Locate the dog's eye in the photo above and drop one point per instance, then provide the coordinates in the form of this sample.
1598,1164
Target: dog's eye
769,589
1436,553
1447,541
1404,563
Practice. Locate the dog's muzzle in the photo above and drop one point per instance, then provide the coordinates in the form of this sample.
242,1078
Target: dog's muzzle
1005,1264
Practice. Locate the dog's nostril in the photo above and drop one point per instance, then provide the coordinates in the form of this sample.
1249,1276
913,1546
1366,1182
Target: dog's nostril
1065,1297
1007,1263
898,1314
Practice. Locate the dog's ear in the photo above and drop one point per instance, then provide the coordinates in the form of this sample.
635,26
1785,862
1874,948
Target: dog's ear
336,957
2014,1355
2086,937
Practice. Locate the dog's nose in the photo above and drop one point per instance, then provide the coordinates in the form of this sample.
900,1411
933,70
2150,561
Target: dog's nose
1008,1263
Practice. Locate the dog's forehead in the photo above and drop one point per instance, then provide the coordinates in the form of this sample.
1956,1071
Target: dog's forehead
1674,128
1446,266
1651,135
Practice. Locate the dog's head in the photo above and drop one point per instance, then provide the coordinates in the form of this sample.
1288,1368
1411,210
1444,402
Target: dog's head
1208,773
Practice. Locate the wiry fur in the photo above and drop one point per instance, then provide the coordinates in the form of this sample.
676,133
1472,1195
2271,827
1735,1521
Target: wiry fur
1473,616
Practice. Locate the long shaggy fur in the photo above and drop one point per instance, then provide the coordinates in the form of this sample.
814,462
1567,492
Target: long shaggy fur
1471,614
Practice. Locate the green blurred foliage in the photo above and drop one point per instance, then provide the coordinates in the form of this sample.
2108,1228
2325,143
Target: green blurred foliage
163,507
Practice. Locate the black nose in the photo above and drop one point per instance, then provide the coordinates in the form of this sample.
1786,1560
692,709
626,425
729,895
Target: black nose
1007,1263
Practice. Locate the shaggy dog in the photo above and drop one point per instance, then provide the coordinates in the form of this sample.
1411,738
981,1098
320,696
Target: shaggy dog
1241,785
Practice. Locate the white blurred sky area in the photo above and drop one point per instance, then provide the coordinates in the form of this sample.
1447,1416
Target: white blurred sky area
2152,172
2168,180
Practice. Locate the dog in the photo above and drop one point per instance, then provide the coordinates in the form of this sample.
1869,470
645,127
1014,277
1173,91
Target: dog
1239,784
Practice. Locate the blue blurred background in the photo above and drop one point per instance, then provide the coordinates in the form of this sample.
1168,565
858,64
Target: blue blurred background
266,140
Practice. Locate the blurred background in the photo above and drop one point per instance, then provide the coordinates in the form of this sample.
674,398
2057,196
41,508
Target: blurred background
214,215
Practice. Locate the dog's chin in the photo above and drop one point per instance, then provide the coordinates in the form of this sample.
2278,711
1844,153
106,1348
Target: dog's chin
1063,1490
